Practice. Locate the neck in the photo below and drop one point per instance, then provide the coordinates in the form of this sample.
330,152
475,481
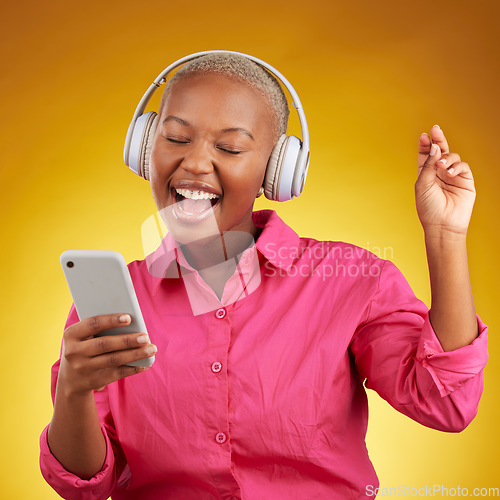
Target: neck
210,252
215,259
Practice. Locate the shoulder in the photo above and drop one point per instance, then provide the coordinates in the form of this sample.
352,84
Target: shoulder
278,236
284,248
140,274
137,267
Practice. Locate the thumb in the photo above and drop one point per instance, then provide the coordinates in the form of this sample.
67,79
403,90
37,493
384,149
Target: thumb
427,172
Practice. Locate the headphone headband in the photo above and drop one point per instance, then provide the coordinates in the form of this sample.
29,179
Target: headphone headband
303,153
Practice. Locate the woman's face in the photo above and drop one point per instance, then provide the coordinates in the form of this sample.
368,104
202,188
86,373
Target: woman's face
210,152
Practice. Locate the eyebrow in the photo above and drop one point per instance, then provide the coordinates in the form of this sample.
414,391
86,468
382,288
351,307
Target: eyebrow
176,119
226,130
238,129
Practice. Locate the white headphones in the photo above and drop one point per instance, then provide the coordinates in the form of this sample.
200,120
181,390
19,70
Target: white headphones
287,166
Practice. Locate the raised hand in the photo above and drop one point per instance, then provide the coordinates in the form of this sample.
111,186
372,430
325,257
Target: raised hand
444,190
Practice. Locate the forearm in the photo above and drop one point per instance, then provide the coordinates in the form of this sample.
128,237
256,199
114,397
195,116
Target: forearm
74,436
452,314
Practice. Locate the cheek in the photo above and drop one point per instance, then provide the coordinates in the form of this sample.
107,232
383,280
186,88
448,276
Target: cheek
260,167
158,171
154,165
244,182
154,179
157,159
161,167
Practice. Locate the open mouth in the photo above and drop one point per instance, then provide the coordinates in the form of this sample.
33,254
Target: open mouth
194,205
189,194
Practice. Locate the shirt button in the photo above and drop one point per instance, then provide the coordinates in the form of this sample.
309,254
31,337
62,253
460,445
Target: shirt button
221,438
220,313
216,367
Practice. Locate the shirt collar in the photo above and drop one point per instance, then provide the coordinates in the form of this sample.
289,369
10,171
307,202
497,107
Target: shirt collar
277,242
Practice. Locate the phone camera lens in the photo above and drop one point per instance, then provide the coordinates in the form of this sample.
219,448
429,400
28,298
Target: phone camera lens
70,263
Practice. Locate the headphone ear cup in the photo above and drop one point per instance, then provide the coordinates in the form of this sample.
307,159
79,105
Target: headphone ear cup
148,146
281,168
274,168
141,143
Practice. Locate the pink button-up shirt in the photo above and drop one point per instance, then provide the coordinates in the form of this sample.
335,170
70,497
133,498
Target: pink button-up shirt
259,394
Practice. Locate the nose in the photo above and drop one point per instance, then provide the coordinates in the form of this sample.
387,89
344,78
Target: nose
197,159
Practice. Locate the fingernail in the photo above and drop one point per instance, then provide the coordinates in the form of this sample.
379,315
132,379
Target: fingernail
151,349
451,170
124,318
434,149
437,126
443,161
143,339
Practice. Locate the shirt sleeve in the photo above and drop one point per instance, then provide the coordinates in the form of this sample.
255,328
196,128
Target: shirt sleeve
396,350
71,486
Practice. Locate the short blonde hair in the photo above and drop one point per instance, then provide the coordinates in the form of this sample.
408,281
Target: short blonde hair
245,70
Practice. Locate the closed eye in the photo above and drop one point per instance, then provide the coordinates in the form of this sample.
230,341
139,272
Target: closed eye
230,151
176,141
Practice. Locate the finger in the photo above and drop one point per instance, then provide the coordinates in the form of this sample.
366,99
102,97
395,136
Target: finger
118,359
89,327
428,170
447,160
424,147
461,168
119,373
110,343
437,136
115,374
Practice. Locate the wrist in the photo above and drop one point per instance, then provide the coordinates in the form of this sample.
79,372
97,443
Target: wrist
71,392
444,235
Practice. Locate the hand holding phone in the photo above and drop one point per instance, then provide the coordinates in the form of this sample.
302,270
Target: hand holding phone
110,341
89,363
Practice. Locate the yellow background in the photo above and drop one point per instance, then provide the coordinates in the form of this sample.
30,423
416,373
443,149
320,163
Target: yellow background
372,75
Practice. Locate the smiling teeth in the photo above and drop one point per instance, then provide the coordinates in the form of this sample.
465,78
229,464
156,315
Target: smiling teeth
196,195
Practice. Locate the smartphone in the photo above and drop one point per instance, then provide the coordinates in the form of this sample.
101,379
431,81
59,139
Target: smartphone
100,283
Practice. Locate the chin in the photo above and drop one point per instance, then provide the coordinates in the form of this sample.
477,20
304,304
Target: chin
188,228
